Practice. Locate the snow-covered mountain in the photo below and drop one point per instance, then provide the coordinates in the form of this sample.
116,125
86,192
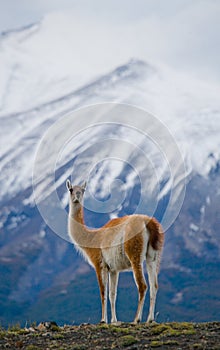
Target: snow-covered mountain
143,135
188,108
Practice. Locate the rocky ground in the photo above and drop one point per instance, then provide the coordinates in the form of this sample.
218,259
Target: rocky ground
48,335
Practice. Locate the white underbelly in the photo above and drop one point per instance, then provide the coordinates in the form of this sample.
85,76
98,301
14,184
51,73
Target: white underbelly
115,258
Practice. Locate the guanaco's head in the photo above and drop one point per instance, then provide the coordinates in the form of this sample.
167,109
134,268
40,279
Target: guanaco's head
76,192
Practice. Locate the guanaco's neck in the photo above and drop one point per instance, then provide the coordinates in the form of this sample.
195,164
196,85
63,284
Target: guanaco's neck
78,232
76,213
84,239
77,227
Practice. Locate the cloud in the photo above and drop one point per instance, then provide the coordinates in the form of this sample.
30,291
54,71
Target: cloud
181,34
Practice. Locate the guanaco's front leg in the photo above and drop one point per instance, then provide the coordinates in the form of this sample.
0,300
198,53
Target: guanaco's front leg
113,282
102,276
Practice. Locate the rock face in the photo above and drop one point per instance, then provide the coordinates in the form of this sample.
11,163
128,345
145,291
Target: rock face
41,274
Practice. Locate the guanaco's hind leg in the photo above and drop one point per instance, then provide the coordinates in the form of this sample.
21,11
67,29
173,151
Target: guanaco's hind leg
113,282
142,288
102,276
152,270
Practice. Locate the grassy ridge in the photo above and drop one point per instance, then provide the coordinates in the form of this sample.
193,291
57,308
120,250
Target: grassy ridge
121,336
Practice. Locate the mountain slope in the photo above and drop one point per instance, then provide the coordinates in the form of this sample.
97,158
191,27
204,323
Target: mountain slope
40,272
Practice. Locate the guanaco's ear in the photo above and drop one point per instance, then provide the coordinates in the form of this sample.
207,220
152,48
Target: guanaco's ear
68,184
84,186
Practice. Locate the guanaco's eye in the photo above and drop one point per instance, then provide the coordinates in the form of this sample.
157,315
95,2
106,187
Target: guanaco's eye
71,190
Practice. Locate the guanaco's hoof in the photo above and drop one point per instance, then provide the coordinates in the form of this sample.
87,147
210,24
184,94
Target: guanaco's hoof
151,322
117,323
136,322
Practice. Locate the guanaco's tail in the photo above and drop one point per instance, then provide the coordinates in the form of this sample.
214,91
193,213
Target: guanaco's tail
156,238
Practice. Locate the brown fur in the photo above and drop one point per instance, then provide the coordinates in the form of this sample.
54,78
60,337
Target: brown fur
95,255
156,234
115,222
133,248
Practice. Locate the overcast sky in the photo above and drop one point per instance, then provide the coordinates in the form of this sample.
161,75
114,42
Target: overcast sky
16,13
184,34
